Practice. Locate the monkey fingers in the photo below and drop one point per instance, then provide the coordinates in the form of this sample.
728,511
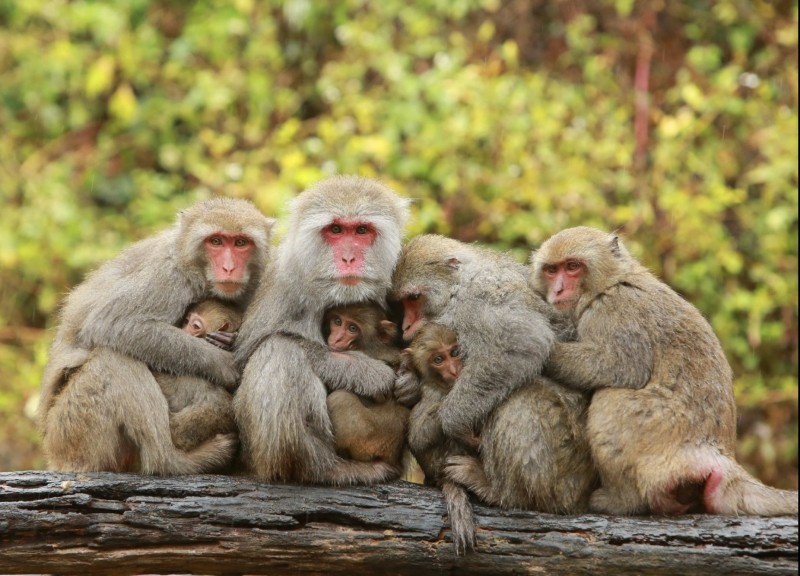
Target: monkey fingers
220,339
407,388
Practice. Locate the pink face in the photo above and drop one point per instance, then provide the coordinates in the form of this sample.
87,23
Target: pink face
413,318
350,240
229,254
563,282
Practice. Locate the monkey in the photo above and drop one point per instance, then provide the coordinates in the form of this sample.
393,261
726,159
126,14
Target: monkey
198,409
436,356
101,408
365,430
343,236
662,419
504,328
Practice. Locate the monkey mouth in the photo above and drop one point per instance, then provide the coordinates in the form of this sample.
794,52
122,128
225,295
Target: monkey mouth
349,280
228,287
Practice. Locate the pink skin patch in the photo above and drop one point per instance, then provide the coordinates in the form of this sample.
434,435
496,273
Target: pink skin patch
412,316
709,493
349,240
228,254
563,280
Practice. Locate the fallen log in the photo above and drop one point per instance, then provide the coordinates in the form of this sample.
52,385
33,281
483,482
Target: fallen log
102,523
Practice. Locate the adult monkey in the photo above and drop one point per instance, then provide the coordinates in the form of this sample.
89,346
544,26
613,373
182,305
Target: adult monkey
483,296
662,420
101,407
341,244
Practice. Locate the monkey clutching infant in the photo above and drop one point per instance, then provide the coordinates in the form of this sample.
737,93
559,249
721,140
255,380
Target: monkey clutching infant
662,420
101,407
365,430
342,241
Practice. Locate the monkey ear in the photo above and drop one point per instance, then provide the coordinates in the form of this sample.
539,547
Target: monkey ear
453,262
387,330
614,246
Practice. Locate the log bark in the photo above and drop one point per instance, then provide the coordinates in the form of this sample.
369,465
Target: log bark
103,523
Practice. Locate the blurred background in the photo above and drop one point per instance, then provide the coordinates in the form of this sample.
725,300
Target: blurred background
673,122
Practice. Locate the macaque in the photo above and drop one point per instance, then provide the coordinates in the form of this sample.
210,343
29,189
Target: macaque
365,430
342,241
198,409
662,419
503,327
436,356
101,407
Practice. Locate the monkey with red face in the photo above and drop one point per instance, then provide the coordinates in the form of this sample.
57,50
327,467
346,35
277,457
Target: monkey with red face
101,407
341,244
662,419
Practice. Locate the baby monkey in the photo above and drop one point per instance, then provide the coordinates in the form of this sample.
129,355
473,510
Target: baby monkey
199,409
365,430
437,358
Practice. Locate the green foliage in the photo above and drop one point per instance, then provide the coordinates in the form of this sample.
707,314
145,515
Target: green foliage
506,121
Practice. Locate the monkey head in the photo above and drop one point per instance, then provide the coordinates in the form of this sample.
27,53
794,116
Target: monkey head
425,279
435,353
572,267
349,231
357,327
211,316
227,240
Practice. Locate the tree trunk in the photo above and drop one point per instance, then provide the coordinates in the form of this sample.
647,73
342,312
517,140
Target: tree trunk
96,523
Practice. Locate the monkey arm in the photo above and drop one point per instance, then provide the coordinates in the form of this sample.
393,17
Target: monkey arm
624,361
352,371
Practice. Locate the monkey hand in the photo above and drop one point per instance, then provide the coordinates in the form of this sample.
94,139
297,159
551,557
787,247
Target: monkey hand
226,373
220,339
407,387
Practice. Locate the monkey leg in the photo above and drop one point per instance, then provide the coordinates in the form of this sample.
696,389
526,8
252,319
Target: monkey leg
199,409
113,410
284,425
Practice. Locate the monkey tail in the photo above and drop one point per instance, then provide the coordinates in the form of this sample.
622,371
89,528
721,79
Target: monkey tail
462,521
730,490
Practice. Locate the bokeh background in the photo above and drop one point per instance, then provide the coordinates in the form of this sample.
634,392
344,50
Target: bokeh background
506,121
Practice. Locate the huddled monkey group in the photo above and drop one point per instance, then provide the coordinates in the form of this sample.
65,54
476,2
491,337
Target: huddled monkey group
577,383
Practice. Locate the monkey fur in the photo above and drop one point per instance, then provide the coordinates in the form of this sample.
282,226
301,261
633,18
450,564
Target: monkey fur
342,240
101,407
662,419
503,327
366,430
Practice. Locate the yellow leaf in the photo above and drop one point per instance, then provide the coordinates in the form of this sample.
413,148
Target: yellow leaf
100,76
123,104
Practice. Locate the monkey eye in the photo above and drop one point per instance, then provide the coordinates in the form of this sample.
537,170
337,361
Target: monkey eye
438,359
455,352
413,297
215,241
353,328
362,229
241,241
197,326
335,229
573,266
550,268
337,321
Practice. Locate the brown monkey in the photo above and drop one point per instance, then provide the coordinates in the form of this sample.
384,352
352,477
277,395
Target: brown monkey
662,420
436,356
199,409
365,430
483,296
101,407
341,244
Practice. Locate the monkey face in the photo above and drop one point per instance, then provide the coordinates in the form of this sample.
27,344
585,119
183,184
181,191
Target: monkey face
350,240
195,325
563,282
344,333
228,259
447,362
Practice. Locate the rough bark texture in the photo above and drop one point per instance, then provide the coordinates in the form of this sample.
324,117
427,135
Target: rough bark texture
126,524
